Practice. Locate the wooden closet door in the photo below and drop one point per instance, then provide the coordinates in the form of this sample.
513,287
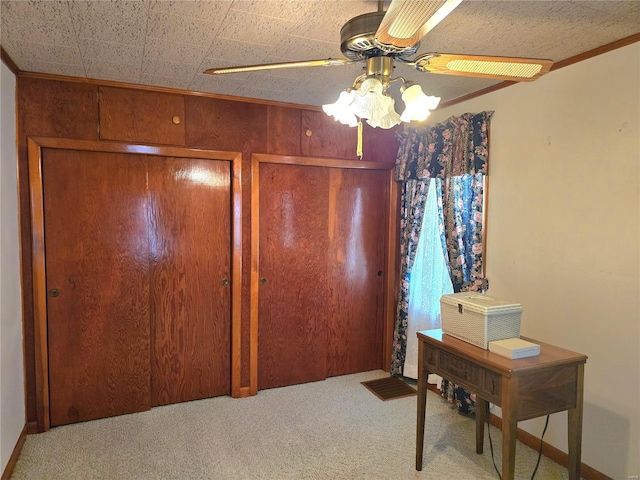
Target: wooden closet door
357,232
96,242
190,243
293,245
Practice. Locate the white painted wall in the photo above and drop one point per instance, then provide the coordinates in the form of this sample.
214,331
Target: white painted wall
564,235
12,409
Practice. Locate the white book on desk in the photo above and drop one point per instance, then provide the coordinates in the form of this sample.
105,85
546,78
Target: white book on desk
514,348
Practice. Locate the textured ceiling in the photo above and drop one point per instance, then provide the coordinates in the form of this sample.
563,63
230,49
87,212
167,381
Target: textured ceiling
170,43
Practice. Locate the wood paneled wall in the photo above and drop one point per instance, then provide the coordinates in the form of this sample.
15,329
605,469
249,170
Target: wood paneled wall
50,106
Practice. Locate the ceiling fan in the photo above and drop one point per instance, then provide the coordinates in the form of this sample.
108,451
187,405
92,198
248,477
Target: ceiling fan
380,38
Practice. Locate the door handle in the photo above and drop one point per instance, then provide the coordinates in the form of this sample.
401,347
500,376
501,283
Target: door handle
54,292
224,282
263,280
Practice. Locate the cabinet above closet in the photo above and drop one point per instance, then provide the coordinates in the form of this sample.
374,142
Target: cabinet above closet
141,116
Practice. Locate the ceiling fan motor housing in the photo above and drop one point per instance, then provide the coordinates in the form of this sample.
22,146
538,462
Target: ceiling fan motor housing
357,39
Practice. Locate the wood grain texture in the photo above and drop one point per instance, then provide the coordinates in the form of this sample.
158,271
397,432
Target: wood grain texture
137,148
236,276
189,246
145,117
39,292
98,326
380,145
153,88
293,260
254,291
56,109
67,108
328,138
225,125
356,269
530,387
283,131
214,123
319,162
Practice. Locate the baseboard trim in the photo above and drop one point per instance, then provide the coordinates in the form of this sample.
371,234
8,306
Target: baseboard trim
8,470
549,451
32,427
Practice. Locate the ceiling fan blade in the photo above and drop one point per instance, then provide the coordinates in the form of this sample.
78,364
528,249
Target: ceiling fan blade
329,62
407,21
501,68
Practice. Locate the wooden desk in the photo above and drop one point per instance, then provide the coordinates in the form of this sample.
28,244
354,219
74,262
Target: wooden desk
524,388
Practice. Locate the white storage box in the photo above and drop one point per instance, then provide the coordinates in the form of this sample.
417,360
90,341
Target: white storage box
479,319
514,348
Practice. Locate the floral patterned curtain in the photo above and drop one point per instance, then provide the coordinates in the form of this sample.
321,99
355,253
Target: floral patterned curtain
413,199
455,152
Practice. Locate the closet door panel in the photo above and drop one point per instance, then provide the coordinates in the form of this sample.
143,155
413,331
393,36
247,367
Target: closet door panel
357,232
292,310
96,231
190,234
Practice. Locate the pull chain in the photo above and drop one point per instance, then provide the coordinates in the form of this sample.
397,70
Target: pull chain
359,147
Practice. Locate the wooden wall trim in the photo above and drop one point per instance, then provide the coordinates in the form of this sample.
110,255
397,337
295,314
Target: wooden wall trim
253,279
119,147
623,42
321,162
135,86
8,61
39,285
34,150
15,453
236,277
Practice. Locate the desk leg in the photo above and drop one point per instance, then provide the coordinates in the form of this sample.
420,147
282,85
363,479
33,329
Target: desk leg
422,405
481,417
575,428
510,390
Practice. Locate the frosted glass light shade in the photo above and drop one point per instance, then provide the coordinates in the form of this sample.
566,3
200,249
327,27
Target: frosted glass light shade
369,101
389,120
418,105
341,110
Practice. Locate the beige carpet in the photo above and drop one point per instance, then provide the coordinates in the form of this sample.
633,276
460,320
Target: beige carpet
335,429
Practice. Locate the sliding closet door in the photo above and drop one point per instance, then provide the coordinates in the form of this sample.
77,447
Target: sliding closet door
190,243
97,262
357,232
293,287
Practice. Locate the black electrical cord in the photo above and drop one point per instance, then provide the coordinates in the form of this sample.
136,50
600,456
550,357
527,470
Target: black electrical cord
535,470
546,423
490,442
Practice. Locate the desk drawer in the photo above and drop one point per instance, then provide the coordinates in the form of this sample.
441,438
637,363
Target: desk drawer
431,358
459,370
491,387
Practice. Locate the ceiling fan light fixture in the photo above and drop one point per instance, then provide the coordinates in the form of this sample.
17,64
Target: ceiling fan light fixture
370,101
524,70
341,109
418,105
391,119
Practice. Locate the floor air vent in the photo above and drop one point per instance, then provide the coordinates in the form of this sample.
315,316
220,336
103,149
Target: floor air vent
389,388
